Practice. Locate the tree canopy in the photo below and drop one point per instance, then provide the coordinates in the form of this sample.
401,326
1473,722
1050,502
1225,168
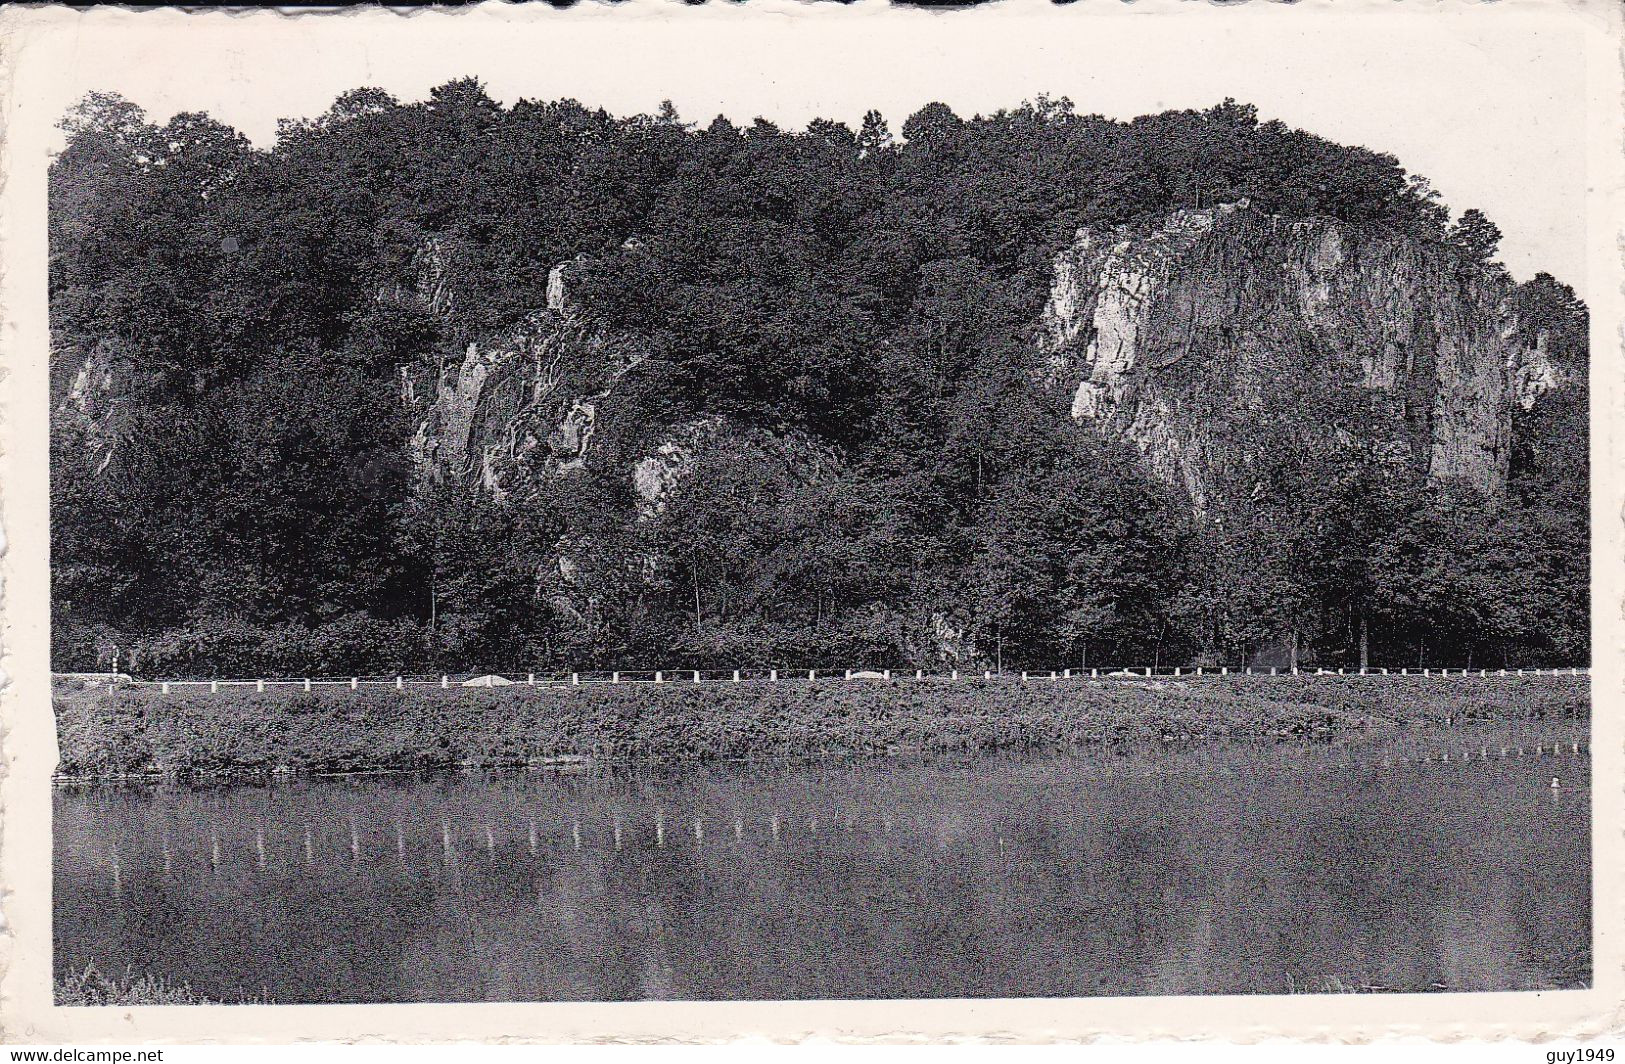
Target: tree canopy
850,311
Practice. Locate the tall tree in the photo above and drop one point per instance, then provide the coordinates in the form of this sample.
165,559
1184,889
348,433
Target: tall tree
1476,237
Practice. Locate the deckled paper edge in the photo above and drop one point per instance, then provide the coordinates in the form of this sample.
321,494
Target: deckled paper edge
32,39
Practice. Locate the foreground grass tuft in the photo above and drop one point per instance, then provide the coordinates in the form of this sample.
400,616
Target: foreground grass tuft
93,988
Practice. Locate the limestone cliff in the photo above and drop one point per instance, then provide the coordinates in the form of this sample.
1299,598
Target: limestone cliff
1190,336
513,406
88,395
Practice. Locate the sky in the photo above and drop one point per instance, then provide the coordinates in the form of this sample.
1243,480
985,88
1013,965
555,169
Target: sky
1490,106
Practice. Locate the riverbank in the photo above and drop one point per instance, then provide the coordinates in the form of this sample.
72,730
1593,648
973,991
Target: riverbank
144,733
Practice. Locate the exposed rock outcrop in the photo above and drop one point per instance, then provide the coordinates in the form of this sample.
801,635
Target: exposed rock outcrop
1187,336
517,405
1538,371
657,474
89,396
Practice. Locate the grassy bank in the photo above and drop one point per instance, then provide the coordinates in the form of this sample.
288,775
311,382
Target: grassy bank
143,732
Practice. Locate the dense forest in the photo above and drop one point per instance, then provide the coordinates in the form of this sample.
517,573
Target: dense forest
235,487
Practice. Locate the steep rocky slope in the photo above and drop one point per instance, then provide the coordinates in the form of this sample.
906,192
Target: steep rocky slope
1215,332
513,406
1201,338
454,384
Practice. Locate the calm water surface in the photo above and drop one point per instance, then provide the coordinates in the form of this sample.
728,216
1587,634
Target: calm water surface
1205,869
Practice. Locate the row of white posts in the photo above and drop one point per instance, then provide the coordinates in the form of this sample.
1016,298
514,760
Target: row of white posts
622,831
775,675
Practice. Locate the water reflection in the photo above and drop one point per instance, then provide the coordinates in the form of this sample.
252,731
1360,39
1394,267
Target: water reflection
1213,869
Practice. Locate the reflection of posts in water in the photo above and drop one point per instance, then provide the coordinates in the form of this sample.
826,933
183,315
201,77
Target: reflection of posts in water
400,843
448,853
355,842
532,838
699,830
660,827
773,825
214,848
739,828
615,828
167,861
259,846
118,877
310,847
575,834
490,842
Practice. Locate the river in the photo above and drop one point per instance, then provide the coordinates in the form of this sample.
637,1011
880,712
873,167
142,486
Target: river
1428,862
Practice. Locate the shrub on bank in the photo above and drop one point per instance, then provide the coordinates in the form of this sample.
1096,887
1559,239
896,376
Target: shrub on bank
209,646
142,731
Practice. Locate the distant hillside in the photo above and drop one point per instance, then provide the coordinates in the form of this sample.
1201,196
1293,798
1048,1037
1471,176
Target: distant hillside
449,385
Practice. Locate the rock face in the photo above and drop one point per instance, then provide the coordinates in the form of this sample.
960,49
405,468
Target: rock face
1538,371
1206,339
1193,336
514,406
88,396
657,474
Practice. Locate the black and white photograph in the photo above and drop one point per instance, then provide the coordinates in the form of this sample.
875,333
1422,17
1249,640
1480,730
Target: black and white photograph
1113,522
